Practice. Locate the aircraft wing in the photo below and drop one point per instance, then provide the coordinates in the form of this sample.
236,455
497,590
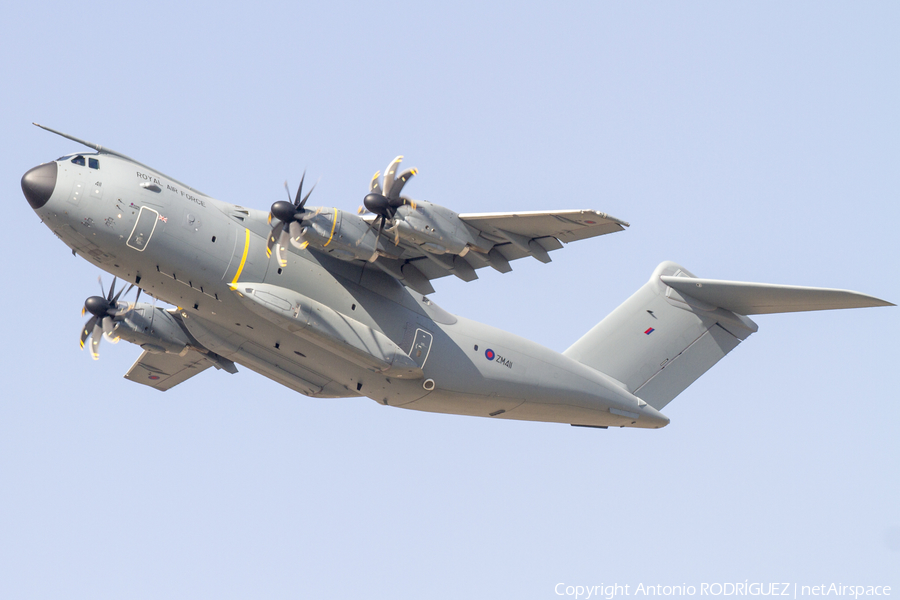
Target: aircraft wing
508,236
564,225
164,371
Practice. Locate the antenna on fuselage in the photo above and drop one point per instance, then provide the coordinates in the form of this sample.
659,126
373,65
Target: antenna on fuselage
96,147
105,150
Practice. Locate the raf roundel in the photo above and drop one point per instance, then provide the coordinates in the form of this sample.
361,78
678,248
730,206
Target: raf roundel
489,354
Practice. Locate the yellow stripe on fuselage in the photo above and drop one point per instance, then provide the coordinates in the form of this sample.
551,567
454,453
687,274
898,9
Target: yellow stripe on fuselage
333,223
243,259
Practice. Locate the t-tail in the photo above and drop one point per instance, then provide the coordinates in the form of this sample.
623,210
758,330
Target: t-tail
677,326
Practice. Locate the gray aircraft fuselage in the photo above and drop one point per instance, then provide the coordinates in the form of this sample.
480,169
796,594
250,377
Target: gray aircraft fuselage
208,258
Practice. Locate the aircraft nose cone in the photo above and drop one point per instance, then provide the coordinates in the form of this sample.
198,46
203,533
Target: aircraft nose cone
38,184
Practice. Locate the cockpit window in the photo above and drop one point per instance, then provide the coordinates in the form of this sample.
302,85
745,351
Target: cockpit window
78,160
93,163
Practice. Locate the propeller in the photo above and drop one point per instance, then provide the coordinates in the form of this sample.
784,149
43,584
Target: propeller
290,215
384,202
104,310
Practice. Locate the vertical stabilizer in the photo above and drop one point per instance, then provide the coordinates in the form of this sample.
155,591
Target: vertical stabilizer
677,326
660,341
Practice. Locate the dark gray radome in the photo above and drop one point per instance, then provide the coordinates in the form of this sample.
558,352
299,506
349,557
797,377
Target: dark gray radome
38,184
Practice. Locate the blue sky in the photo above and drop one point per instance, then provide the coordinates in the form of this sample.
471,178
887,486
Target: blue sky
748,141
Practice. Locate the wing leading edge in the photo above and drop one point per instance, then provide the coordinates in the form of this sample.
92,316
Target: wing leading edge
564,225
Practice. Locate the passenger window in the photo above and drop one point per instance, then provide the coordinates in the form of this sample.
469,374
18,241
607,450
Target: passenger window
78,160
93,163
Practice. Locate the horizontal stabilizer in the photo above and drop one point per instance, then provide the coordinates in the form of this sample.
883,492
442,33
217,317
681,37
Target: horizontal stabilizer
765,298
677,326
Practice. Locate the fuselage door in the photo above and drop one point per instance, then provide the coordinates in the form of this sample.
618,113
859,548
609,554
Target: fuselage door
143,229
421,347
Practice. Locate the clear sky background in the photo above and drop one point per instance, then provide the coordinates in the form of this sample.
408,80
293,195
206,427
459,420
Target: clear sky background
750,141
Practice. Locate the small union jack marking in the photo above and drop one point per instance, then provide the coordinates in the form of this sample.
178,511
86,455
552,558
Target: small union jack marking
163,219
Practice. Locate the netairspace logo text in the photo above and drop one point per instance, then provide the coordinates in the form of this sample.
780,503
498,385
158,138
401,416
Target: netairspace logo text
745,588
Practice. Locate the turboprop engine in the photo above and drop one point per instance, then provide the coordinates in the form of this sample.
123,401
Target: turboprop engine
153,329
336,232
341,234
434,228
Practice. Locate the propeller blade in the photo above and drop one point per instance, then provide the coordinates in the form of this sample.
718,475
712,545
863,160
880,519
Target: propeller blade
398,185
96,335
102,290
271,241
299,189
298,203
133,304
116,297
106,324
374,186
395,229
389,176
111,288
86,330
306,197
109,329
297,239
281,247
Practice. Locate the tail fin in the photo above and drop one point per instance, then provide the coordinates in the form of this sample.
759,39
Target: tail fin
676,327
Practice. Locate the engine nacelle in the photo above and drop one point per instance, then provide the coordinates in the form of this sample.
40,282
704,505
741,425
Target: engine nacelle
153,329
341,234
436,229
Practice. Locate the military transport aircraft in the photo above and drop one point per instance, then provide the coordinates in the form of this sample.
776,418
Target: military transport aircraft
331,303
